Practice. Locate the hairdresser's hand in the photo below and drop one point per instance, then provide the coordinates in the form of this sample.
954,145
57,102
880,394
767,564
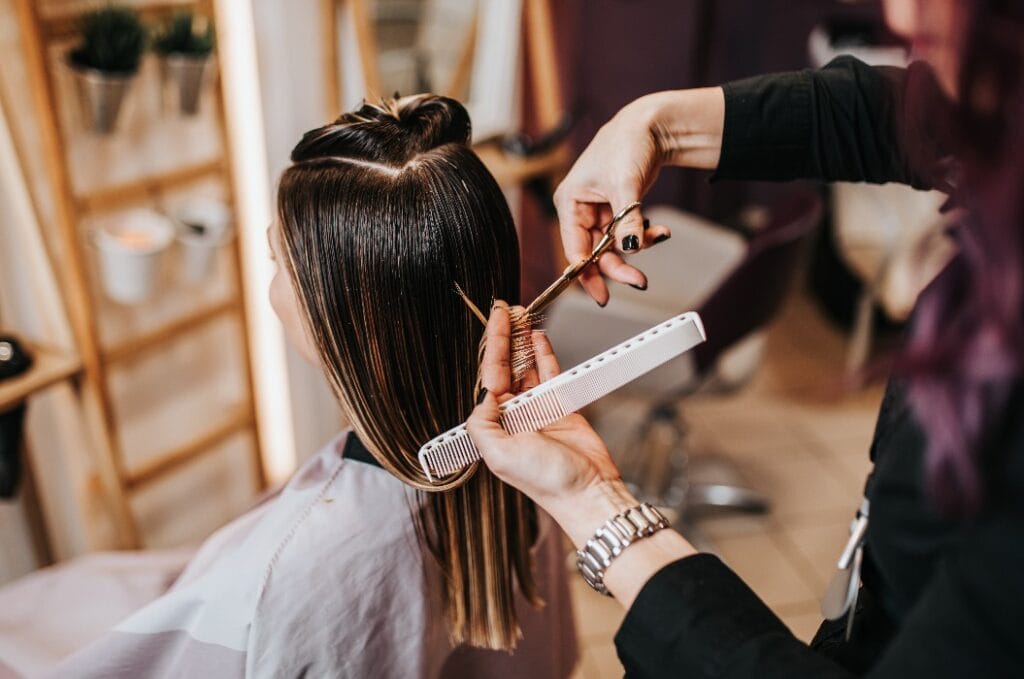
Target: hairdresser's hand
566,467
620,165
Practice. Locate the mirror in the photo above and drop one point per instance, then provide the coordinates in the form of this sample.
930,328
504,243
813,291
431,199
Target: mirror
466,49
425,45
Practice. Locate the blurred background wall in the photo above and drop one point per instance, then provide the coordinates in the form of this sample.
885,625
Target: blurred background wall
614,51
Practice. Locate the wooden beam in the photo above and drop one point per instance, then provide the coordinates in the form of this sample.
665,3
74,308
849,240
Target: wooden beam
136,345
73,277
237,419
49,367
330,63
243,331
366,41
37,194
111,197
543,61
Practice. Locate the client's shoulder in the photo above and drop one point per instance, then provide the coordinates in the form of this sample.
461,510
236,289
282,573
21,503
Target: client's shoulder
348,585
341,463
348,510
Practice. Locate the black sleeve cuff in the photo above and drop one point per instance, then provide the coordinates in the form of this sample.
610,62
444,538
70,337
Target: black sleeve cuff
694,618
768,127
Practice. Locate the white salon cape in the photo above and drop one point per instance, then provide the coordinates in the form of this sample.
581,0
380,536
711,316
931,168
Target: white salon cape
325,579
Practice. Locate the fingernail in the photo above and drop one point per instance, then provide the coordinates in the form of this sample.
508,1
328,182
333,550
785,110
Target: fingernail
638,287
483,394
647,224
603,304
662,238
631,242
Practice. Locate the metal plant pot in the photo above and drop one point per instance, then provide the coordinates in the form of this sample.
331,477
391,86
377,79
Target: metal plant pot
100,95
183,74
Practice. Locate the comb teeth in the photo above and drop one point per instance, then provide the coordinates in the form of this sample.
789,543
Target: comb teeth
535,411
570,391
454,450
449,455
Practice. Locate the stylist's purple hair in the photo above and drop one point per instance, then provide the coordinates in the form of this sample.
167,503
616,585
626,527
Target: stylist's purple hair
966,347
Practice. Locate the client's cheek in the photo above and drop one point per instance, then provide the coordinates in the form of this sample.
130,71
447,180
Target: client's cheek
286,306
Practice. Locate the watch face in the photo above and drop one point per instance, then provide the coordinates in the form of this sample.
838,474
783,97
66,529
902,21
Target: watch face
6,350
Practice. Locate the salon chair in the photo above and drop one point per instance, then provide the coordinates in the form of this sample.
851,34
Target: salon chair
738,284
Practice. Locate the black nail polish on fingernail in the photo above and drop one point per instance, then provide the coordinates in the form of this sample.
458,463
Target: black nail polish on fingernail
638,287
631,242
483,394
647,224
662,238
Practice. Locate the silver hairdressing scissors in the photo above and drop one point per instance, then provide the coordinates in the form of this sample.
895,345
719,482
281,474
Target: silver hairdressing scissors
573,271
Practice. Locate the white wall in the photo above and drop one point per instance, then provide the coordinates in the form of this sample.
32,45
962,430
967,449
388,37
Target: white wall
291,76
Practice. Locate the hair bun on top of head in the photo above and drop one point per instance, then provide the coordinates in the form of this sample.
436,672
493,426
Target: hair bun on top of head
391,132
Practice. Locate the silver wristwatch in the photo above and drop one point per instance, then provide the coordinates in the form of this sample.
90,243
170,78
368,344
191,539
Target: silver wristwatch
615,535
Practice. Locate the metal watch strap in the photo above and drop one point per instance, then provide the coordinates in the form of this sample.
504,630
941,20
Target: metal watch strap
612,537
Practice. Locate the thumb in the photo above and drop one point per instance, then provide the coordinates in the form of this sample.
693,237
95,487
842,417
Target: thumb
484,427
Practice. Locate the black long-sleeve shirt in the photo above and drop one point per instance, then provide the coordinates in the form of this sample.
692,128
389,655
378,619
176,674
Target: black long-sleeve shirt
941,597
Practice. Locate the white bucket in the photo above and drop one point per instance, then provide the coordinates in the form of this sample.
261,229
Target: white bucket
204,226
131,247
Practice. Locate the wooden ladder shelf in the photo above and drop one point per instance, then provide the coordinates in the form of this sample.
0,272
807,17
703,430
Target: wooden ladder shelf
38,32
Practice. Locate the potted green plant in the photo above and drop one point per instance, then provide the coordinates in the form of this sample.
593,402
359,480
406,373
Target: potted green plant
184,45
105,62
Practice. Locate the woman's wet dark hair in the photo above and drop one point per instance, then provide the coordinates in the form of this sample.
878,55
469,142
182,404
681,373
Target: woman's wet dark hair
382,213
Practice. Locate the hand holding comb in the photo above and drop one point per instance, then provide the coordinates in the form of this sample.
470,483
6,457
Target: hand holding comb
570,391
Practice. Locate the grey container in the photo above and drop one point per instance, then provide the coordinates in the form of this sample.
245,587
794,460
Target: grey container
182,74
100,95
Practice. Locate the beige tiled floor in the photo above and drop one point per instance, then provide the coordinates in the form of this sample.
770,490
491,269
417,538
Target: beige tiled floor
799,437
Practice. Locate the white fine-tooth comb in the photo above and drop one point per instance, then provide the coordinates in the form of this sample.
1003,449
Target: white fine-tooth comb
570,391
